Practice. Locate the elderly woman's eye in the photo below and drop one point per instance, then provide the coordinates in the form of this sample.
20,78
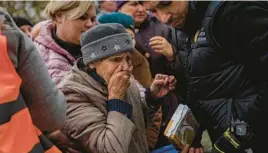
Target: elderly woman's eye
128,59
116,59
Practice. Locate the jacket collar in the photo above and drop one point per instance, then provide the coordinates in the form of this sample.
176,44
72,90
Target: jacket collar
195,16
45,38
90,77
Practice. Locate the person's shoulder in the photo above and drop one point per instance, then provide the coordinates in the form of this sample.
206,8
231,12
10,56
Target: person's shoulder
8,26
232,12
6,20
235,7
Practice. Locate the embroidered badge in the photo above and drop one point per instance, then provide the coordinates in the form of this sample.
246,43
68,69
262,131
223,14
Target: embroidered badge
127,41
93,56
116,47
104,48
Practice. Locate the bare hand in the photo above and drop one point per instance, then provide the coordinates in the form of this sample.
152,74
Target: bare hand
118,83
192,150
162,46
162,85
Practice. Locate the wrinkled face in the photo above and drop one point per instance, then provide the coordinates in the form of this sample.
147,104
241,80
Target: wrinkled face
108,6
136,10
73,29
26,29
106,67
170,12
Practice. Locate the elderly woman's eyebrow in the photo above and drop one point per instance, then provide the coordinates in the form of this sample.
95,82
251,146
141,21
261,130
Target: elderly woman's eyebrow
116,56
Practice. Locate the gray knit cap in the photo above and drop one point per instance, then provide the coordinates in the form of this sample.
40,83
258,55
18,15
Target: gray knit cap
105,40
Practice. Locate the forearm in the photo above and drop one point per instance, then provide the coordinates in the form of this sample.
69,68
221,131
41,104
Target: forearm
152,102
177,67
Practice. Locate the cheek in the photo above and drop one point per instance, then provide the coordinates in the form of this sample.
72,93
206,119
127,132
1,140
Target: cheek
107,74
79,26
76,28
129,11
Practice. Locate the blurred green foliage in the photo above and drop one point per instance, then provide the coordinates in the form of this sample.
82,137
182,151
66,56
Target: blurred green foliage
31,10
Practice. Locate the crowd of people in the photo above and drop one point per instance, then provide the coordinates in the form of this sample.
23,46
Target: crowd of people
107,76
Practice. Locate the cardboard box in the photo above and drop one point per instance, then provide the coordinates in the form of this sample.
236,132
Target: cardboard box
182,127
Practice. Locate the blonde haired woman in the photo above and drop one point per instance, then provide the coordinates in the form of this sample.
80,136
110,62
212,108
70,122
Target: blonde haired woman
59,38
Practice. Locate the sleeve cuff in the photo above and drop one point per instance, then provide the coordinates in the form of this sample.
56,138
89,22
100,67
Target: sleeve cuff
150,101
120,106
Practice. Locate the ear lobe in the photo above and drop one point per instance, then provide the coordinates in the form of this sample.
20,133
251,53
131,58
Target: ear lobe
91,66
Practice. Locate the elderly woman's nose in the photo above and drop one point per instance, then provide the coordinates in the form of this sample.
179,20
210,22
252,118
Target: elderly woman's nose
126,66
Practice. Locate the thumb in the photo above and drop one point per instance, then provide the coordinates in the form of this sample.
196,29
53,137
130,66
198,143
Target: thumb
185,149
155,86
158,82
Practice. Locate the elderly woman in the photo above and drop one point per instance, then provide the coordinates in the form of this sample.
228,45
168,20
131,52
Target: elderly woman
104,108
59,39
141,72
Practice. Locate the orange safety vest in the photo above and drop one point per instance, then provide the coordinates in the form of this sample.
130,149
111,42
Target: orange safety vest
17,131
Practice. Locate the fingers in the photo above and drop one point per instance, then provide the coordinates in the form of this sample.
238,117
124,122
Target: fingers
160,76
185,149
191,150
118,77
159,82
118,72
118,69
159,51
156,42
172,79
158,47
123,74
196,150
172,83
166,80
159,38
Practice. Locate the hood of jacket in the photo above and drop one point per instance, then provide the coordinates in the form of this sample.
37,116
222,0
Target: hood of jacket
45,38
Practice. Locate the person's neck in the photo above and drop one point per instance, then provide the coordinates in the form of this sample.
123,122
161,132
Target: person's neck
73,49
63,35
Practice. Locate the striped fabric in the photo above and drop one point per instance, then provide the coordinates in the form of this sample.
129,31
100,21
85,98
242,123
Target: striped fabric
17,131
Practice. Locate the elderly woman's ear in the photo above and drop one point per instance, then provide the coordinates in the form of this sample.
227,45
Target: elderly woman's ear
91,66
